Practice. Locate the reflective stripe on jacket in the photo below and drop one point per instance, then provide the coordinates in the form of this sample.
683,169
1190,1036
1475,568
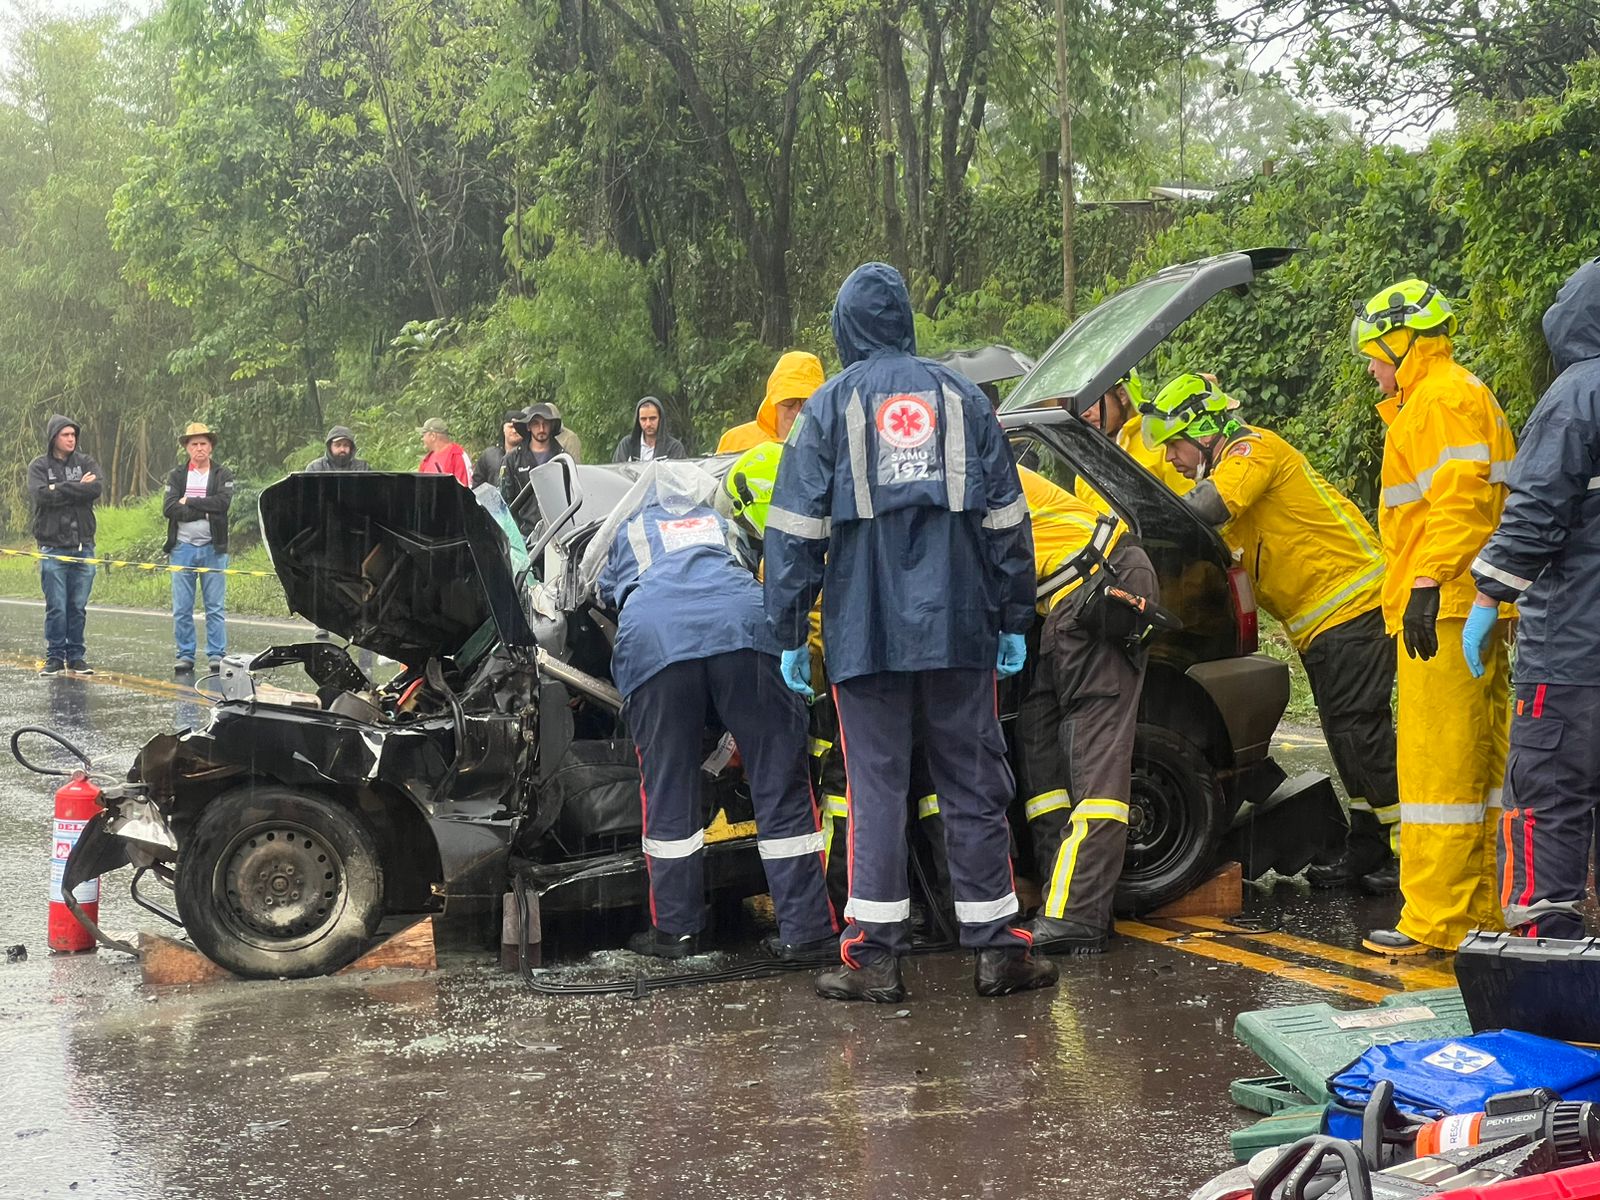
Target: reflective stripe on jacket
897,495
1445,460
1545,553
682,593
1063,525
1314,559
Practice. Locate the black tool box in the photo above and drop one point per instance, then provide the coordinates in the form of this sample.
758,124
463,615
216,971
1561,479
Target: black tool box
1538,985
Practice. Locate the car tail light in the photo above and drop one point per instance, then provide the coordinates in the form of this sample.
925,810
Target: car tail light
1244,610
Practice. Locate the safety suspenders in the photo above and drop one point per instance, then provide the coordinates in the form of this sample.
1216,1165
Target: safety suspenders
1084,563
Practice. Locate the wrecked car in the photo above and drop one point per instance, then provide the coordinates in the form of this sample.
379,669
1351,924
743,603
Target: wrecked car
289,825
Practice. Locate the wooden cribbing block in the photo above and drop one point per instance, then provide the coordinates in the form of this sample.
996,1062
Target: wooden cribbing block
1220,894
411,949
166,962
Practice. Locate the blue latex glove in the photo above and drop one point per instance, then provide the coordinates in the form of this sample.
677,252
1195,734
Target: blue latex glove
1480,624
796,668
1013,653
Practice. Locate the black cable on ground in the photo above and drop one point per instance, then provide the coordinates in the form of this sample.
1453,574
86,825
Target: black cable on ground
641,985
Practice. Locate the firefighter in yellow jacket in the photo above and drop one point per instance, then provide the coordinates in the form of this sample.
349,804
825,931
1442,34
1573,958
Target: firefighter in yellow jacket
1316,566
1075,726
790,385
1445,458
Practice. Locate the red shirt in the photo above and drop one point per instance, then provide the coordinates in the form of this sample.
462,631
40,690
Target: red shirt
452,460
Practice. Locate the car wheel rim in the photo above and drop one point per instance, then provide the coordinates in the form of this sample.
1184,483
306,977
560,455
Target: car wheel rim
280,885
1157,822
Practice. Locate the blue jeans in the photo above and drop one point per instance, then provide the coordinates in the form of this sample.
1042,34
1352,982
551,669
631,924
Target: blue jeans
66,598
212,587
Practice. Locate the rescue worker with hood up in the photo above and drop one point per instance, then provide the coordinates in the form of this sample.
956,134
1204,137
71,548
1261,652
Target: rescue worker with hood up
1118,414
790,385
649,438
897,496
1445,457
1316,566
339,453
1545,557
691,641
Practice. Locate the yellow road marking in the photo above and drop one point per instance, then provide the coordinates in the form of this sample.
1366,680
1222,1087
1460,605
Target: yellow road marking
1413,977
1326,981
133,683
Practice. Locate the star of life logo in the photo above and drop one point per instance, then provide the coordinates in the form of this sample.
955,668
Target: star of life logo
1459,1059
905,421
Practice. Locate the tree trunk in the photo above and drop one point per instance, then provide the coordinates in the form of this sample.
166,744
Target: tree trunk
894,226
308,361
1069,266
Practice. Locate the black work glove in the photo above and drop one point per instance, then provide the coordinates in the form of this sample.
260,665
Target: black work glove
1417,626
184,513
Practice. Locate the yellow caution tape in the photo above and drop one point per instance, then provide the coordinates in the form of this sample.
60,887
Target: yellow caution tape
168,568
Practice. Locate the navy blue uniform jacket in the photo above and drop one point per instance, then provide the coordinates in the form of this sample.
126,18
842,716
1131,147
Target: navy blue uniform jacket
898,497
1545,554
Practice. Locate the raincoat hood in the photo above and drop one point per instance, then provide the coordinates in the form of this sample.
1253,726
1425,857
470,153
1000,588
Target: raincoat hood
1572,323
872,314
334,434
54,426
1425,356
798,373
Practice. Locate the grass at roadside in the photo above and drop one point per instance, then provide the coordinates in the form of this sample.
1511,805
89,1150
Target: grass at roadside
128,587
1302,709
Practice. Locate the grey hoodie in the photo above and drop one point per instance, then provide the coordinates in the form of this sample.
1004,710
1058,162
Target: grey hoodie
63,505
328,463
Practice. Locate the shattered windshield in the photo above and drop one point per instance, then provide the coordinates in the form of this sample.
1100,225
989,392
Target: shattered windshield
1093,340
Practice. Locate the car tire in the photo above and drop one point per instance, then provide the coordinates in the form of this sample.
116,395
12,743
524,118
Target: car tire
1174,822
275,883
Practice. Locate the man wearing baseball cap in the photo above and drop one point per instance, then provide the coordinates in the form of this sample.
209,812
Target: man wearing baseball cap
196,504
441,455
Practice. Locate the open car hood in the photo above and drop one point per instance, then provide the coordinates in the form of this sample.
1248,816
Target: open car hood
410,566
1109,340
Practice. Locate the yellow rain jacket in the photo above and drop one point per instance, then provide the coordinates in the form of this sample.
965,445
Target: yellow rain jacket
1062,526
1313,558
1445,459
797,374
1131,438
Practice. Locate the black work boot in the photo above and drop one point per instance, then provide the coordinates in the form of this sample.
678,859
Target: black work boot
999,971
660,944
878,981
1385,881
818,948
1056,935
1358,859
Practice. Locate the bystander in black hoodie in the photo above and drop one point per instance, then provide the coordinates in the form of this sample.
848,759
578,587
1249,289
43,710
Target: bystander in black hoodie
63,505
667,446
332,462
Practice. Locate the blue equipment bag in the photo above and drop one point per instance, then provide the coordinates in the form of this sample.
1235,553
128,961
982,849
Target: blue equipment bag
1456,1075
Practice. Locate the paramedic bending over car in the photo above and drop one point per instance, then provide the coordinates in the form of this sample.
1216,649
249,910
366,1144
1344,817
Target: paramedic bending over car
691,641
1317,566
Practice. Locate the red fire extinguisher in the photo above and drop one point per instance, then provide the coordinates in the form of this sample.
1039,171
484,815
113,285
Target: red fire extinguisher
76,801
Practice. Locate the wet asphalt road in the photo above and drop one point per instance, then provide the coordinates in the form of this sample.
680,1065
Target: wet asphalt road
462,1083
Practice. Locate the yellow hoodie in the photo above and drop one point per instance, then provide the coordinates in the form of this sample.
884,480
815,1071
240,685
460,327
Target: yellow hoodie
797,374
